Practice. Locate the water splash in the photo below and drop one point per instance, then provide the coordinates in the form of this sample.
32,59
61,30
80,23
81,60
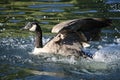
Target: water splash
16,51
108,54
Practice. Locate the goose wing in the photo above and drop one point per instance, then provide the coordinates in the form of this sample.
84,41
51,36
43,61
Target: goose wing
78,25
90,27
66,24
75,25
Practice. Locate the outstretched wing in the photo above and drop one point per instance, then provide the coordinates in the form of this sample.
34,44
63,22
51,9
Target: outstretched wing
67,24
90,27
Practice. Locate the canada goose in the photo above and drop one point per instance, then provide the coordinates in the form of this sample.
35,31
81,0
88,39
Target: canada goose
71,36
91,27
65,43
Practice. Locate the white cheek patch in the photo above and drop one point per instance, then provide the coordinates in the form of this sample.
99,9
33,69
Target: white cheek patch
33,28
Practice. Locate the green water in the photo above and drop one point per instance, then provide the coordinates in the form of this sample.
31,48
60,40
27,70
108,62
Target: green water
14,14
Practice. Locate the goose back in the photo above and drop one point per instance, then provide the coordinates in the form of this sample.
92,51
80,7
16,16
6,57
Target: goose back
66,43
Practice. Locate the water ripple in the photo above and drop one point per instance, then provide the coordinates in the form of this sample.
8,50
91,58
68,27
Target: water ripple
50,5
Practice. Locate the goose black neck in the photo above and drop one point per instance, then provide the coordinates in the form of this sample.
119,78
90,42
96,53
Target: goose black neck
38,40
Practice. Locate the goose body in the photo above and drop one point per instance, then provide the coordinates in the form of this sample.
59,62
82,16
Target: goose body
64,45
68,41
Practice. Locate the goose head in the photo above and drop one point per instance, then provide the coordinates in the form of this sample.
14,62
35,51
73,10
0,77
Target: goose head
34,27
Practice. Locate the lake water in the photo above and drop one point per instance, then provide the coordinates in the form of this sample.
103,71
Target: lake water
17,61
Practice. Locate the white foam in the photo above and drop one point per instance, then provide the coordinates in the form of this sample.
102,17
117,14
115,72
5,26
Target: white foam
117,40
108,54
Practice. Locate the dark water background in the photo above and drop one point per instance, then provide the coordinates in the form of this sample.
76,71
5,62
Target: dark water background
16,60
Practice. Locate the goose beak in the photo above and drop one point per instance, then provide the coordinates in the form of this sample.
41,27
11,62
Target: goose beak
24,28
27,26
